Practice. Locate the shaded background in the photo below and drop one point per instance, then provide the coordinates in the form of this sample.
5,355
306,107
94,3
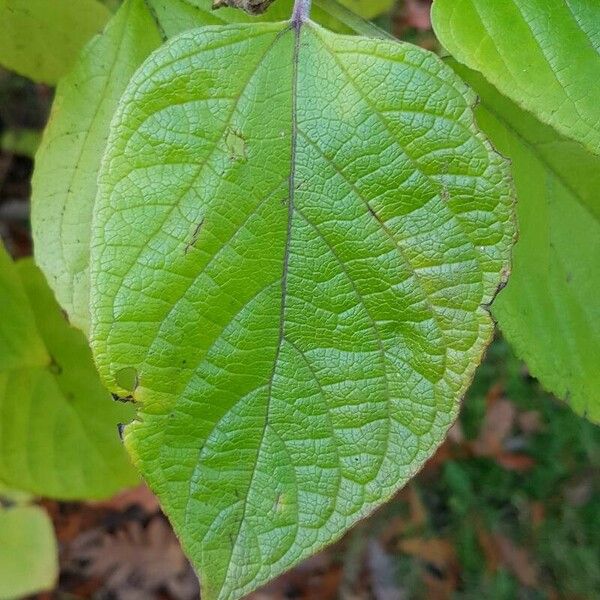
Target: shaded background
508,508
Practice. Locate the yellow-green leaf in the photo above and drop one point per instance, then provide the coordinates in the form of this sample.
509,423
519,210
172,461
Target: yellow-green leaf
28,552
67,164
295,241
58,424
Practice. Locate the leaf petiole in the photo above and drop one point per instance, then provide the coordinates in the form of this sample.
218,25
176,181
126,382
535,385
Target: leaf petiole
301,12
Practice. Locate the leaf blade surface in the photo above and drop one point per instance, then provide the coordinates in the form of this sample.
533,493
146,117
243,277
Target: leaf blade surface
67,164
309,256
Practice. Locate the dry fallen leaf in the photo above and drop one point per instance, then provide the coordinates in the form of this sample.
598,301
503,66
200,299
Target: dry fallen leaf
530,422
437,552
517,560
416,14
497,425
515,462
538,514
418,512
254,7
135,562
489,547
441,576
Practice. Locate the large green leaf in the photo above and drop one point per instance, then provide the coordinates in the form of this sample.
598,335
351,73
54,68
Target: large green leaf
67,164
42,38
543,54
548,310
58,425
28,552
294,243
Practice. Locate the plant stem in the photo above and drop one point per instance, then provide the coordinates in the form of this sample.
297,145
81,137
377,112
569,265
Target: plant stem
301,12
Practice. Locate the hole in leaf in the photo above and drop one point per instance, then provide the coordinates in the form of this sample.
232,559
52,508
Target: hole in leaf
236,145
127,379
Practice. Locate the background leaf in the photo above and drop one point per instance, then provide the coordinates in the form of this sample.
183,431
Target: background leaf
542,54
369,8
20,344
548,311
28,552
41,39
64,182
311,243
58,425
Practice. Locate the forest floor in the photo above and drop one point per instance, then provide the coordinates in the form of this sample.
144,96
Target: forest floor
508,508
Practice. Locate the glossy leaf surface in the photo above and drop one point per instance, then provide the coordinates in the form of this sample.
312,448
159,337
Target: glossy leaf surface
291,264
543,54
58,425
41,39
549,310
28,552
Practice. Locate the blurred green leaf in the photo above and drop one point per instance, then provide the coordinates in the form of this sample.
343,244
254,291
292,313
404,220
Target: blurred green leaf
64,180
58,425
10,496
41,39
28,552
368,8
548,311
23,142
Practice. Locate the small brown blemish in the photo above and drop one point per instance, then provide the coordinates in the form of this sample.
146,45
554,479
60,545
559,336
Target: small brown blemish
123,399
236,145
54,367
279,503
195,235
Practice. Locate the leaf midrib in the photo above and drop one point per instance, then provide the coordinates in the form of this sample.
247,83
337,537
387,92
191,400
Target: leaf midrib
297,29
